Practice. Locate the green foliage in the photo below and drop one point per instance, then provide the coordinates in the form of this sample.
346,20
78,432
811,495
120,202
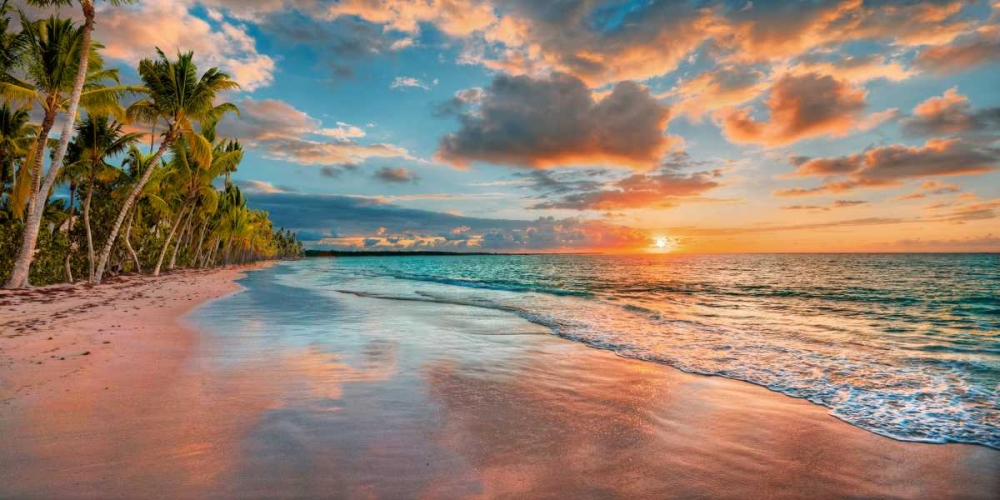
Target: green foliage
213,227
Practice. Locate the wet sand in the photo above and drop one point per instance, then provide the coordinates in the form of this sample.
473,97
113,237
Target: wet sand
355,397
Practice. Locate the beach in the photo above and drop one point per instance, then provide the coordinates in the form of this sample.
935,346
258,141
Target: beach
126,390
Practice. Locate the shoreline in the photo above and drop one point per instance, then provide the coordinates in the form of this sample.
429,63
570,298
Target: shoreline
144,414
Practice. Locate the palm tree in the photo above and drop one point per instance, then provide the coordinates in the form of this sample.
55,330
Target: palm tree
134,165
56,80
98,138
198,192
11,45
177,97
16,137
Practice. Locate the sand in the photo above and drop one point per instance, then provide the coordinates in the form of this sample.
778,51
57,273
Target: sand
104,393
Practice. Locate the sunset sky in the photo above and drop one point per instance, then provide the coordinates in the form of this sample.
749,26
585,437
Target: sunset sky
526,125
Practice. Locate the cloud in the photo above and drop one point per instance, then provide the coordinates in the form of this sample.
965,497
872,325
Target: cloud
453,17
462,100
823,208
971,212
855,69
986,243
343,131
890,165
801,107
131,33
848,203
280,131
396,175
784,30
931,188
264,119
719,88
307,152
662,189
402,82
950,113
603,43
254,186
553,121
356,223
974,49
583,39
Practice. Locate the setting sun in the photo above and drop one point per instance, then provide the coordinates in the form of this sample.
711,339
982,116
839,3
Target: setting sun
664,244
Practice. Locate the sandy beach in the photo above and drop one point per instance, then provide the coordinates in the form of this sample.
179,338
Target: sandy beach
109,392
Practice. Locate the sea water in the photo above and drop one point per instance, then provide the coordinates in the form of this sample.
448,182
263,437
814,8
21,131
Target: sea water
906,346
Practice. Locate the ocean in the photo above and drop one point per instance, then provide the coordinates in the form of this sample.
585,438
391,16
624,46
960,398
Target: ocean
905,346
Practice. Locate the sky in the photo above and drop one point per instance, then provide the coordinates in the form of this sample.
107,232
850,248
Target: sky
584,125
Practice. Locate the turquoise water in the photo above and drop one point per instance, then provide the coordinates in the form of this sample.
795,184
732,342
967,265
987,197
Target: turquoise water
906,346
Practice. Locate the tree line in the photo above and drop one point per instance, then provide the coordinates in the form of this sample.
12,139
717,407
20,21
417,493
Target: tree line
123,205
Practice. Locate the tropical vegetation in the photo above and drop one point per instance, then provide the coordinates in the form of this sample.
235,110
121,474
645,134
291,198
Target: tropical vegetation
138,180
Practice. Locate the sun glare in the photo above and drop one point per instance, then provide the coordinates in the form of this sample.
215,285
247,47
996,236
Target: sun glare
664,244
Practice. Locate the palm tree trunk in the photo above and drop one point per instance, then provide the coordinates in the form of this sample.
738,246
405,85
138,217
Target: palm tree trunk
29,237
180,237
229,248
22,266
166,245
86,226
128,242
209,260
201,241
146,175
69,234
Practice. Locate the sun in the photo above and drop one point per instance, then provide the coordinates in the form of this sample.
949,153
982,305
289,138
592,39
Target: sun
664,243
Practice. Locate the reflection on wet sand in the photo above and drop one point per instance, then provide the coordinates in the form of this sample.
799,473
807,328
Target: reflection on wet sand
586,423
327,395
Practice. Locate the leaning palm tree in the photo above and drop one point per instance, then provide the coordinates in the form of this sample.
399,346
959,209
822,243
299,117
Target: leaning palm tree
176,97
57,81
195,179
134,166
98,138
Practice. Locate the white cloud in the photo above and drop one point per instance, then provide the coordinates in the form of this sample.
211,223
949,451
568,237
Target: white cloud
343,131
280,131
134,32
407,81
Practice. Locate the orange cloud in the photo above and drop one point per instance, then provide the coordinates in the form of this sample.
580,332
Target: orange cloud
931,188
855,69
661,190
890,165
979,47
950,113
785,30
455,18
534,38
133,32
719,88
801,107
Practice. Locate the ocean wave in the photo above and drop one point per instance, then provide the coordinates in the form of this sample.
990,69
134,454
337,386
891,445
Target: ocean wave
914,374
